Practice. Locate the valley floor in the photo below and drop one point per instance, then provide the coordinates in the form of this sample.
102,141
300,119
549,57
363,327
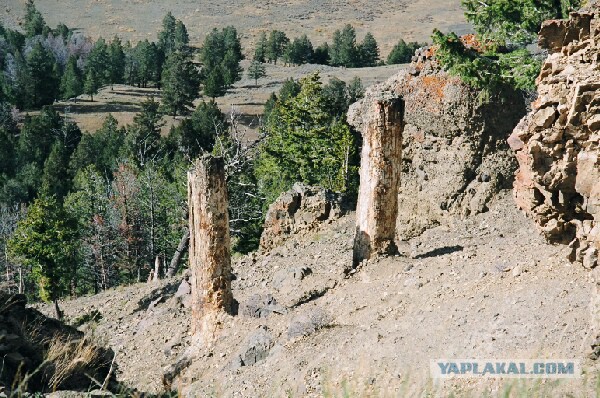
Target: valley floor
487,287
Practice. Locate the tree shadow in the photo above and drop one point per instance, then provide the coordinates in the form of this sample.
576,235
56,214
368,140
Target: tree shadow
440,251
98,107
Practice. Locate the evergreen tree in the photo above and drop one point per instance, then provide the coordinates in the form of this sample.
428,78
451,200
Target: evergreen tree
196,135
100,149
276,45
343,51
300,51
369,51
402,52
47,241
100,62
92,83
116,56
260,52
42,70
305,143
143,140
180,83
256,70
321,55
71,85
182,38
166,37
214,84
34,22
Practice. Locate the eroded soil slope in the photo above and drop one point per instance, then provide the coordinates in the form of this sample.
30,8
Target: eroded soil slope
486,287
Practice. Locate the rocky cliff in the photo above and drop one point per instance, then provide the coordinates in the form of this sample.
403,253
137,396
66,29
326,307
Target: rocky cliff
558,181
455,156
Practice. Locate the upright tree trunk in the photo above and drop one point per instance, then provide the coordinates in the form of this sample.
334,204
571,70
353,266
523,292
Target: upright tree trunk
57,311
210,253
380,168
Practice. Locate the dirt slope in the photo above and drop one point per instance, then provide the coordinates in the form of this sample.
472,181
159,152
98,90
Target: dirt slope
486,287
137,20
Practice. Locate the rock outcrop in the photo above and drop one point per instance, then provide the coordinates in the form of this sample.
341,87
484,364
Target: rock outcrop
299,210
41,354
558,181
454,151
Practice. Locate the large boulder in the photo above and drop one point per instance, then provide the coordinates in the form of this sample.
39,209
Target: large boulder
556,145
41,354
454,151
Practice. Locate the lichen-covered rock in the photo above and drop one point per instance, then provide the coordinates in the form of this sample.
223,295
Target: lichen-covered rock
301,209
556,145
41,354
454,151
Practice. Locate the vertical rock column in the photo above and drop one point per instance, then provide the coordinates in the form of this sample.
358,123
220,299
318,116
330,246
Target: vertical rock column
381,161
210,253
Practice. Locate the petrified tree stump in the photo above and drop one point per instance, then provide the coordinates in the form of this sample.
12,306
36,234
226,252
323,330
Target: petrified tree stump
380,168
209,250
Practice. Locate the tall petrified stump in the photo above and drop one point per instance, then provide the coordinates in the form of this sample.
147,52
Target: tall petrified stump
381,161
210,253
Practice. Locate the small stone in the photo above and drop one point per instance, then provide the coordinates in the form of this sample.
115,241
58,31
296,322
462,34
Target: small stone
516,271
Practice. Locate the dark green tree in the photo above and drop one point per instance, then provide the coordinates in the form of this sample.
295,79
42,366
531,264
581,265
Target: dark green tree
260,52
369,51
47,241
300,51
402,52
34,21
182,38
305,143
321,55
71,85
214,83
166,37
276,45
43,72
196,135
343,51
143,141
180,84
92,83
116,57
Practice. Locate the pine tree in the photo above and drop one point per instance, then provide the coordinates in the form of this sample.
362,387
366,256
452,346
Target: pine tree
99,61
166,37
304,142
214,84
71,85
116,56
369,51
256,70
42,71
180,84
34,22
47,240
182,39
260,52
91,84
196,135
343,51
276,45
143,141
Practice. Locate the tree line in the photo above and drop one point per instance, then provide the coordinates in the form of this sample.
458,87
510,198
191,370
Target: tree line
344,51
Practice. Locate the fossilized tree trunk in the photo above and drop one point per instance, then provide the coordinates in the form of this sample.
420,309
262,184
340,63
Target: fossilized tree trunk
209,251
183,244
380,168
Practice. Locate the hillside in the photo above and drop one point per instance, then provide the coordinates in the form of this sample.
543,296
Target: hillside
486,287
137,20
